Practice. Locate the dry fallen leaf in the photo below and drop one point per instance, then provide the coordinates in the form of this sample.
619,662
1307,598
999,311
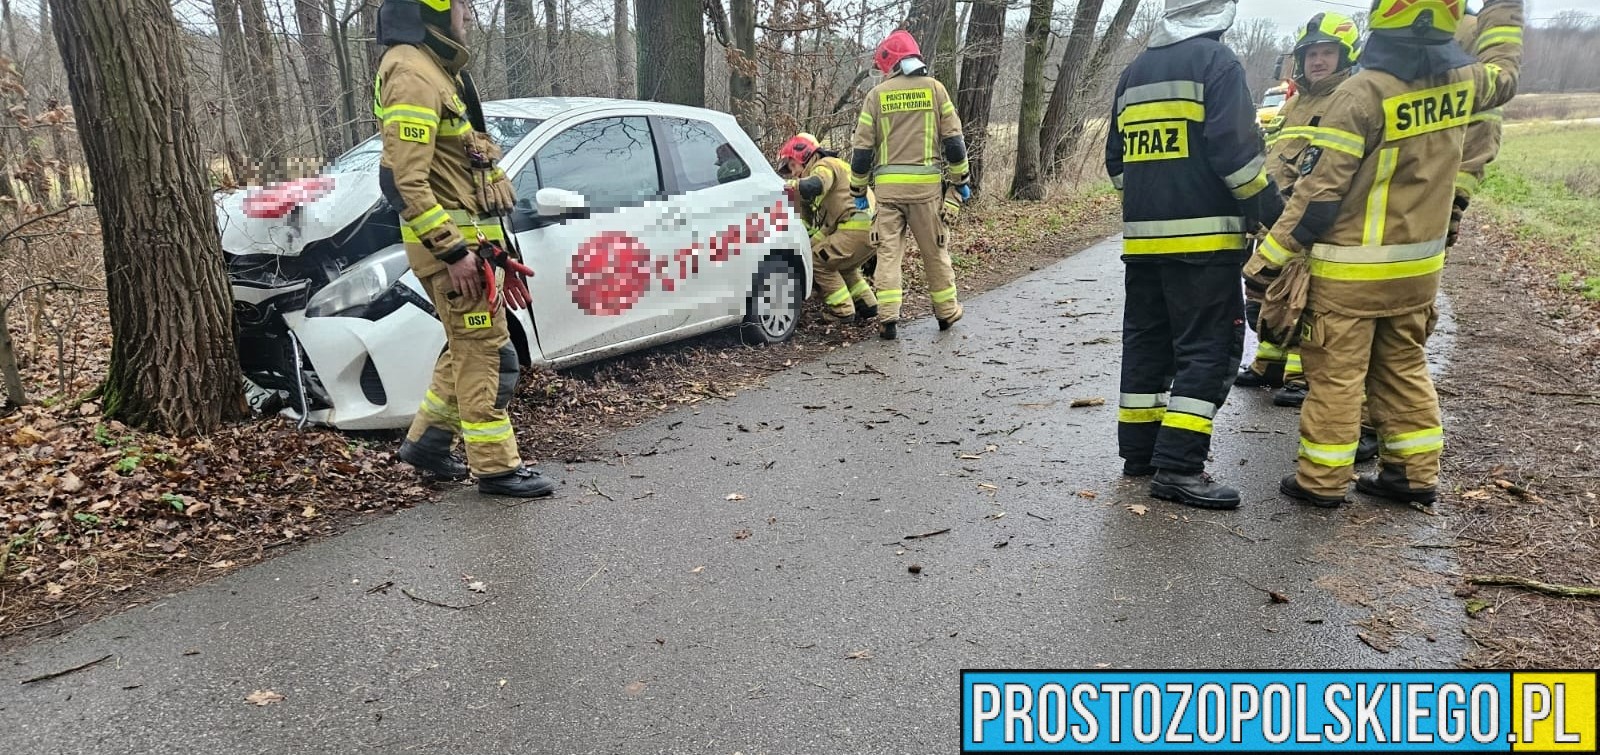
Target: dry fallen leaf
70,483
1476,495
697,570
988,486
1277,597
478,587
1087,494
1139,508
1079,403
860,655
263,697
222,564
734,497
633,689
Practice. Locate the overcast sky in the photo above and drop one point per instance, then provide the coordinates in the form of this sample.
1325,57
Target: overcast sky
1291,13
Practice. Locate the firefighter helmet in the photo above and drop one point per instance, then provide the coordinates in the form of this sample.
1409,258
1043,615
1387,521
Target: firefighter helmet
898,46
1327,28
798,150
1427,18
406,22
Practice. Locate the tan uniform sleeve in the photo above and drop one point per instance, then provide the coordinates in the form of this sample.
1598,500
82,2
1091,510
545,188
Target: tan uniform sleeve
864,143
952,141
409,109
1499,51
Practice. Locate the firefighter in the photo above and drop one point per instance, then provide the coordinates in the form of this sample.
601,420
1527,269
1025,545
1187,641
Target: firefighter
1483,137
1366,213
841,235
439,173
1185,149
1324,52
908,126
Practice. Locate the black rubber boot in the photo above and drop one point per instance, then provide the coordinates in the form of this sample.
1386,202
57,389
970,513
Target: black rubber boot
1390,483
521,482
1367,448
888,331
1291,394
1248,378
1196,489
1290,486
866,314
440,464
945,324
1132,468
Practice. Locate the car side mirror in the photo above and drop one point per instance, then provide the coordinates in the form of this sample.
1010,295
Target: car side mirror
561,203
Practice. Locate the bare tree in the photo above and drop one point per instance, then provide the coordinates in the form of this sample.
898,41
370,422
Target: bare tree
263,80
521,77
623,50
742,66
979,69
671,52
550,45
312,17
1258,45
1028,181
1036,34
173,366
1096,74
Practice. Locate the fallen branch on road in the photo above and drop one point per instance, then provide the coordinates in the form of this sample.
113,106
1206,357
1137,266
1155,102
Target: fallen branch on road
74,669
1508,580
413,596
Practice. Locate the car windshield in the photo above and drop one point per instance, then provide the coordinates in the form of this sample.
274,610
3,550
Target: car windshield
1273,99
363,158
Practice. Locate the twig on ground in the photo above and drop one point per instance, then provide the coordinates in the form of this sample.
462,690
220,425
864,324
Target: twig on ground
413,596
1509,580
57,674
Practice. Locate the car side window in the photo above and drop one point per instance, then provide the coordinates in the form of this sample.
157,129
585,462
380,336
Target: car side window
611,161
701,155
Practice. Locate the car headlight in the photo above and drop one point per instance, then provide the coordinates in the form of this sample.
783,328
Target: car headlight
359,285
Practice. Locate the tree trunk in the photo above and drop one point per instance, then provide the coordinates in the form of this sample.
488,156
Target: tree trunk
985,39
1068,78
947,66
263,84
1093,74
672,51
173,364
236,69
521,78
742,67
550,27
320,71
12,50
623,50
350,92
1025,181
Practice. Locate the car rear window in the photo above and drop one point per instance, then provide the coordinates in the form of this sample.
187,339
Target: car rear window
610,161
702,156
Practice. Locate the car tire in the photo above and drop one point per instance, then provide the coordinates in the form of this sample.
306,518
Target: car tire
773,308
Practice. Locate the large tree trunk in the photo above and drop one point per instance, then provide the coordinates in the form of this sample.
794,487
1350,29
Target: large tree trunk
672,51
1068,77
263,84
354,96
1093,75
173,365
985,39
521,77
742,67
1036,34
947,66
550,27
623,49
314,46
236,69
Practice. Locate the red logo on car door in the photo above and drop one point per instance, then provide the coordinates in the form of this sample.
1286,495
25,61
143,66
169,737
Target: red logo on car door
609,273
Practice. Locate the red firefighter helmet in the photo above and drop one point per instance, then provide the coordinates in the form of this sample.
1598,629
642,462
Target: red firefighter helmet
896,47
797,150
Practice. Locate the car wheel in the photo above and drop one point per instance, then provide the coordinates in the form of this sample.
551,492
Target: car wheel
773,309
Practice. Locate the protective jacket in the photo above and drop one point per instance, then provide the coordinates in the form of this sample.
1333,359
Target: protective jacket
908,140
826,204
1483,130
1185,150
426,171
1370,209
1289,134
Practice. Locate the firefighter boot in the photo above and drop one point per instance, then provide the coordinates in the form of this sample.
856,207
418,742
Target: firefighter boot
1196,489
1367,448
1291,395
1131,468
1291,487
1390,483
521,482
888,330
431,454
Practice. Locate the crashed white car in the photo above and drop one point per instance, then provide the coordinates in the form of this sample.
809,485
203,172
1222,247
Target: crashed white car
644,223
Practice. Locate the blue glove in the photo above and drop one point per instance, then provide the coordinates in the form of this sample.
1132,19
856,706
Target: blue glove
861,204
965,191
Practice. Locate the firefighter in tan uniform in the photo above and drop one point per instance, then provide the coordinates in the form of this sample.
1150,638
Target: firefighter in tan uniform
440,174
841,235
908,126
1368,213
1483,135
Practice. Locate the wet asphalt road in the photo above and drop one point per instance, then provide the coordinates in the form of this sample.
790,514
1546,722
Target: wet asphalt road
644,611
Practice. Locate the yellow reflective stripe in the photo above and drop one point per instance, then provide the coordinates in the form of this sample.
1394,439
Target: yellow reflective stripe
958,169
1252,188
823,170
1494,115
1378,198
856,225
1499,35
1162,90
460,127
443,6
856,179
1328,454
423,115
1274,251
838,297
1372,254
860,288
1340,141
1134,416
1186,422
1415,442
486,432
1466,182
883,141
949,107
406,120
1211,242
1183,226
1294,362
1170,110
433,404
916,170
929,128
413,231
1249,172
865,119
908,178
430,219
1269,352
890,295
1347,271
943,295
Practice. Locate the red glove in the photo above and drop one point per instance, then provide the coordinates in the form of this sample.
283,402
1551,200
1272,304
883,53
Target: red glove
516,283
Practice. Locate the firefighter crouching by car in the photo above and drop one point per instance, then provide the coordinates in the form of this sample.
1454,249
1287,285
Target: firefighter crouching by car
1369,214
841,235
1483,134
908,126
440,174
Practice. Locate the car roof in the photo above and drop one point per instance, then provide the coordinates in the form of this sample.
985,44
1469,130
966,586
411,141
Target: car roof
545,108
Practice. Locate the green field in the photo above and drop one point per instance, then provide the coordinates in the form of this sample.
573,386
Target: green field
1546,184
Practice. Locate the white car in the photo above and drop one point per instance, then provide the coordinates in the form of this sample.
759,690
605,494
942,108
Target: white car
644,223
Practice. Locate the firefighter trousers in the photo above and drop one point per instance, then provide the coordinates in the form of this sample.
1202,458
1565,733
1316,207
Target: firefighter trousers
836,263
1182,339
921,219
1386,356
472,385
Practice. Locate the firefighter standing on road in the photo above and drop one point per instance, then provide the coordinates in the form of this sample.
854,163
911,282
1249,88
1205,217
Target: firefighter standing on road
1369,215
908,124
841,235
1185,149
439,173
